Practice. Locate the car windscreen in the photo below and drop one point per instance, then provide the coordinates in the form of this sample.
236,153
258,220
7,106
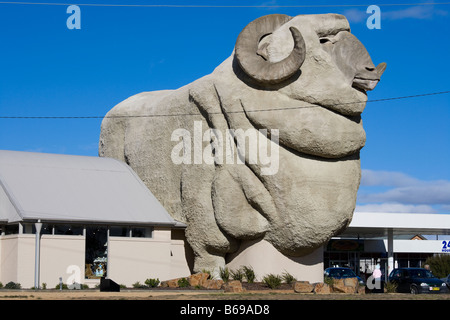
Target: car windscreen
418,273
340,273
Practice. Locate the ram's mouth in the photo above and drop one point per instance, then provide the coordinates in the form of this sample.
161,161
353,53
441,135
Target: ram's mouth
364,84
368,79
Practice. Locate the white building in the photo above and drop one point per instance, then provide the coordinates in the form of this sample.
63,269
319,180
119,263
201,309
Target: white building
96,218
389,239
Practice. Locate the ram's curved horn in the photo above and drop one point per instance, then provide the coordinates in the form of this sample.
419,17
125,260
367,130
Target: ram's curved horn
380,68
254,64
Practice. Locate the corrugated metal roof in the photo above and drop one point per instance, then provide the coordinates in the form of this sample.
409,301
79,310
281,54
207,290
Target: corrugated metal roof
54,187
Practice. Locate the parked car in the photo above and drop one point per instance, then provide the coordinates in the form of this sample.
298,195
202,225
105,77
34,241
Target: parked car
417,280
341,273
447,281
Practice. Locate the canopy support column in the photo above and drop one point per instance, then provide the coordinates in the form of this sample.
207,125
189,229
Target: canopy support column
390,243
38,226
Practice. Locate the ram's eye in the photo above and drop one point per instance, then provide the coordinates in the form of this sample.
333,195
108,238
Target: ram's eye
325,40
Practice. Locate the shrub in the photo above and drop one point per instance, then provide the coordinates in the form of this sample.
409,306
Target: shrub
224,274
183,283
13,285
288,278
152,283
390,287
64,286
328,280
237,274
272,280
439,265
208,272
249,274
138,285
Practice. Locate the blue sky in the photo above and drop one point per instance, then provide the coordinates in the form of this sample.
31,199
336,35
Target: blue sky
48,70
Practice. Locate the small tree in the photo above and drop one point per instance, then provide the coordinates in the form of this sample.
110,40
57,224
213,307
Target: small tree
13,285
138,285
152,283
439,265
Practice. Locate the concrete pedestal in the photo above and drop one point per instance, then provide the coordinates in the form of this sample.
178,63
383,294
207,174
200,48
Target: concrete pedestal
265,259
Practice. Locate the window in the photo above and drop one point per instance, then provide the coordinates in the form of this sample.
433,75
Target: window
28,228
142,232
119,231
11,229
397,274
46,229
68,229
135,232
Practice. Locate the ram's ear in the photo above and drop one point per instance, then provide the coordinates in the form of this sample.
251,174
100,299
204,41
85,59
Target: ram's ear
381,68
254,62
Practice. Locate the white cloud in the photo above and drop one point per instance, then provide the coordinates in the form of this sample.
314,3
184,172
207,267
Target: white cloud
416,12
413,12
425,192
394,207
356,15
386,178
391,191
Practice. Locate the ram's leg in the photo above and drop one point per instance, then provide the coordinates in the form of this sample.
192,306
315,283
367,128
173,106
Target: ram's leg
206,257
208,241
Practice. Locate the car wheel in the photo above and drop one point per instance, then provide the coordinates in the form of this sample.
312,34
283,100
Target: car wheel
414,290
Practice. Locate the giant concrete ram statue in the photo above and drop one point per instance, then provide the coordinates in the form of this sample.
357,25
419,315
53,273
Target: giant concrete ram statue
300,83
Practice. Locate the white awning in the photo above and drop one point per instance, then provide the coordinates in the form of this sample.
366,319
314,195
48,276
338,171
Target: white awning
377,224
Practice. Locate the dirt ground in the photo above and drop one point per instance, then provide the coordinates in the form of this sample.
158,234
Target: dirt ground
202,295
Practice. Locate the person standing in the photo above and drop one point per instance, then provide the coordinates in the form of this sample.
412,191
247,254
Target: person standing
379,288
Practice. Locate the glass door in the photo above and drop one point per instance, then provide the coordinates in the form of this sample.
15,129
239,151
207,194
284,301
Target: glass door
96,252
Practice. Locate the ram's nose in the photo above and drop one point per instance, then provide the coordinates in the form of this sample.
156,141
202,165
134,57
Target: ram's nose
367,73
368,77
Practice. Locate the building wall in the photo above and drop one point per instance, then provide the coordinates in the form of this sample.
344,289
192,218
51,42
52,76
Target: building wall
17,256
423,246
137,259
25,260
179,267
8,258
61,256
17,259
400,245
130,259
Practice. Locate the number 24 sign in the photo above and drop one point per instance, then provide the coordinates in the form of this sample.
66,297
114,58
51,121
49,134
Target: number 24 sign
446,246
